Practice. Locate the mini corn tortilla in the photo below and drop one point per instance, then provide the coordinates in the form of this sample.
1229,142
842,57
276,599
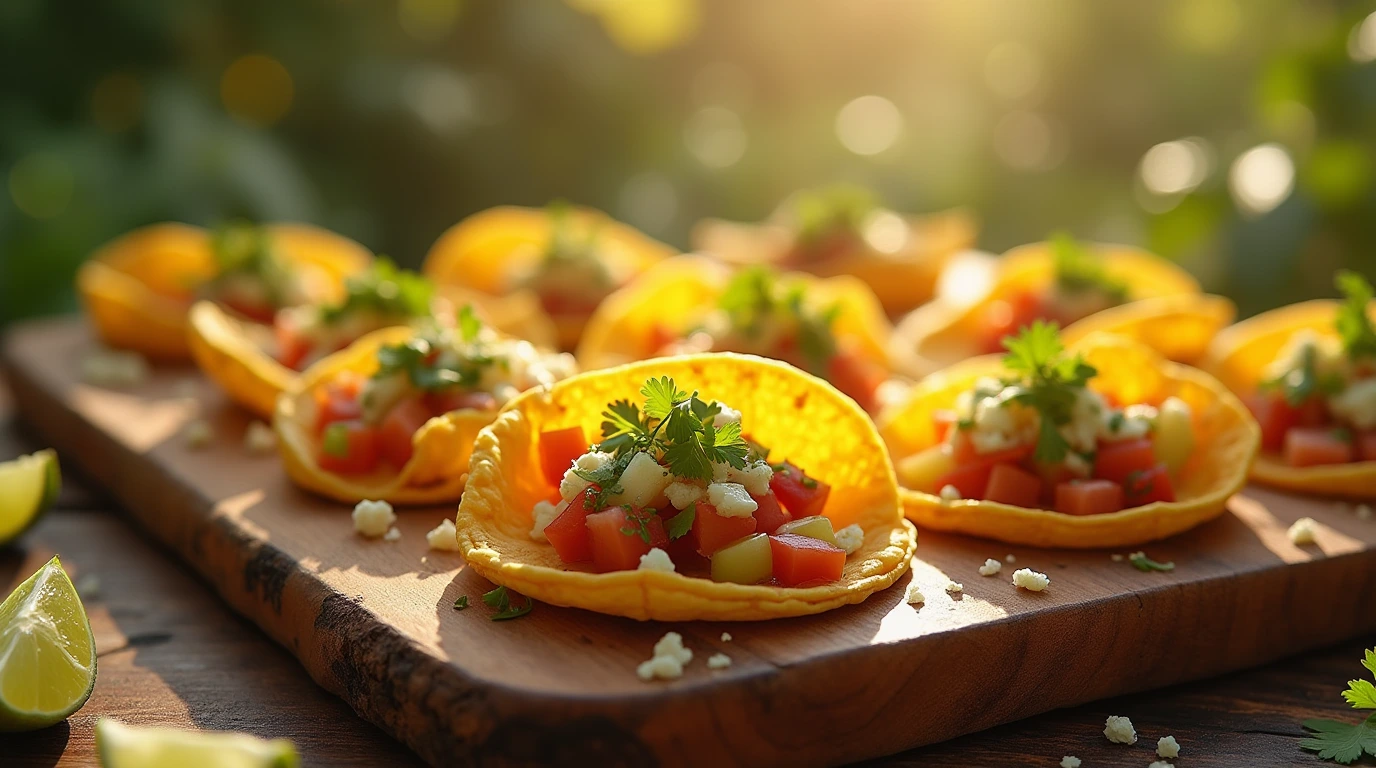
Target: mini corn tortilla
1226,440
484,251
901,279
799,417
1165,309
137,289
1239,357
676,293
436,472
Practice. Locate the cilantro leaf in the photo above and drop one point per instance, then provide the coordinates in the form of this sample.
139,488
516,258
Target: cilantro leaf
500,599
689,459
638,524
386,289
461,603
1050,383
1353,324
1340,741
1361,694
1141,562
469,324
1078,270
679,525
661,395
335,441
827,211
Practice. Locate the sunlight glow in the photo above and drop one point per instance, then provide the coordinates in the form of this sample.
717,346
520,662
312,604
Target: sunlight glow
716,137
256,89
1024,141
1012,70
1261,178
886,231
1361,43
1175,167
868,125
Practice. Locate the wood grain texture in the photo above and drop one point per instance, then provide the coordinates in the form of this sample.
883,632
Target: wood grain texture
373,623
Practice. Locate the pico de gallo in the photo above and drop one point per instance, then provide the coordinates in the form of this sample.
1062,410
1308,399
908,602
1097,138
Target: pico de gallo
1041,438
254,280
381,297
1080,287
366,423
676,486
570,278
829,223
1317,402
761,313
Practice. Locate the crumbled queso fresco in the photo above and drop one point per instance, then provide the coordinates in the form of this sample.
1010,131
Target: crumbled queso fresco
718,661
950,493
443,537
955,587
670,657
1302,532
1031,580
393,534
259,438
990,567
1070,761
914,595
1160,764
1119,730
373,518
1167,746
850,538
656,560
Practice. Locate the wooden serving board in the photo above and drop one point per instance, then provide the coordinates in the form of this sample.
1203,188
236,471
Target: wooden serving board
373,622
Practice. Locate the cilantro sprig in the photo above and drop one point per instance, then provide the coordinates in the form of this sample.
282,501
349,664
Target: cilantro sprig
386,289
1353,323
677,425
755,299
419,358
1344,742
1078,271
840,209
1049,381
679,525
500,598
1141,562
241,248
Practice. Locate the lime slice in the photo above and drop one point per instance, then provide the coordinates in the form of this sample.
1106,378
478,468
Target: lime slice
28,486
125,746
47,653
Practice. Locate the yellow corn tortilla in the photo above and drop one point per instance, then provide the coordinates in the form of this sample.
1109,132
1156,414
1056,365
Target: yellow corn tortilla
226,350
677,292
800,417
901,280
485,250
435,474
1239,356
137,289
1226,440
1165,309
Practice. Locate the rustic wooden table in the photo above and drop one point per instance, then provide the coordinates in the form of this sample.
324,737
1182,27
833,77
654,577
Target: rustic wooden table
171,653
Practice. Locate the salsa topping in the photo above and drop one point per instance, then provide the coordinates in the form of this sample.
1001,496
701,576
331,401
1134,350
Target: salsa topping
253,279
570,276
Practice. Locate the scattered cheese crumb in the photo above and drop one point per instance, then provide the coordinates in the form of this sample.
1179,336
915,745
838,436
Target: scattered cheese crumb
1302,532
1030,580
1363,511
727,415
112,368
954,587
1160,764
726,637
990,567
681,494
656,560
542,514
373,518
198,434
1070,761
914,595
668,660
1119,730
1115,557
443,537
571,485
850,538
950,493
393,534
731,500
1010,558
718,661
1167,746
259,438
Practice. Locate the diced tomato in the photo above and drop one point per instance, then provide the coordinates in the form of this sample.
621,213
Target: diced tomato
292,346
456,399
559,448
942,422
1117,460
769,516
1312,446
1142,488
801,495
1276,416
857,377
348,448
1366,445
338,400
970,479
568,532
617,543
713,531
258,312
1009,484
963,451
802,559
397,432
1005,316
1089,497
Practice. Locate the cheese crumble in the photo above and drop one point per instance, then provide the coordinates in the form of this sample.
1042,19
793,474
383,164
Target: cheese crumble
1160,764
990,567
259,438
1030,580
443,537
668,660
113,368
543,514
726,637
373,518
718,661
1070,761
950,493
730,499
850,538
955,587
1167,746
914,595
1302,532
1119,730
393,534
656,560
681,494
1010,558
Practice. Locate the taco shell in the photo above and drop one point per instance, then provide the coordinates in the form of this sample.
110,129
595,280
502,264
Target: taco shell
1226,440
1240,355
1165,309
435,474
800,417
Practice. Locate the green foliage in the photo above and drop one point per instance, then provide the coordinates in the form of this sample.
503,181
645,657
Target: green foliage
420,358
1344,742
680,524
1051,383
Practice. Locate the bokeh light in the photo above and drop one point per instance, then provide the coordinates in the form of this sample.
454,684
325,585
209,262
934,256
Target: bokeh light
868,125
1175,167
256,89
42,183
427,20
648,201
885,231
116,102
644,26
1361,43
443,100
1261,178
1207,26
715,136
1025,142
1012,70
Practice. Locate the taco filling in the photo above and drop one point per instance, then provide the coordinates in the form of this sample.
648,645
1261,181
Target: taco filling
676,486
254,279
1080,287
1041,438
366,423
760,313
1317,401
571,277
830,223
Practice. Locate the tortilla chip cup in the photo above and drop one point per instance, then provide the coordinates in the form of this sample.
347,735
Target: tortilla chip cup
484,251
1165,310
1239,356
1226,440
139,287
801,418
628,326
436,472
901,279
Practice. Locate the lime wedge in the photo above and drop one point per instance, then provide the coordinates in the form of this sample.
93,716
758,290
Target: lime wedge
28,486
47,653
125,746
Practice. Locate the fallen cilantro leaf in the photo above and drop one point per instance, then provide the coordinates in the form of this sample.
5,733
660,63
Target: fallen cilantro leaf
461,603
1361,694
500,599
1141,562
1341,742
679,525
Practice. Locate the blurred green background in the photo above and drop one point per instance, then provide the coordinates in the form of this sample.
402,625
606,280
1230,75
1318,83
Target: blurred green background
1236,136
